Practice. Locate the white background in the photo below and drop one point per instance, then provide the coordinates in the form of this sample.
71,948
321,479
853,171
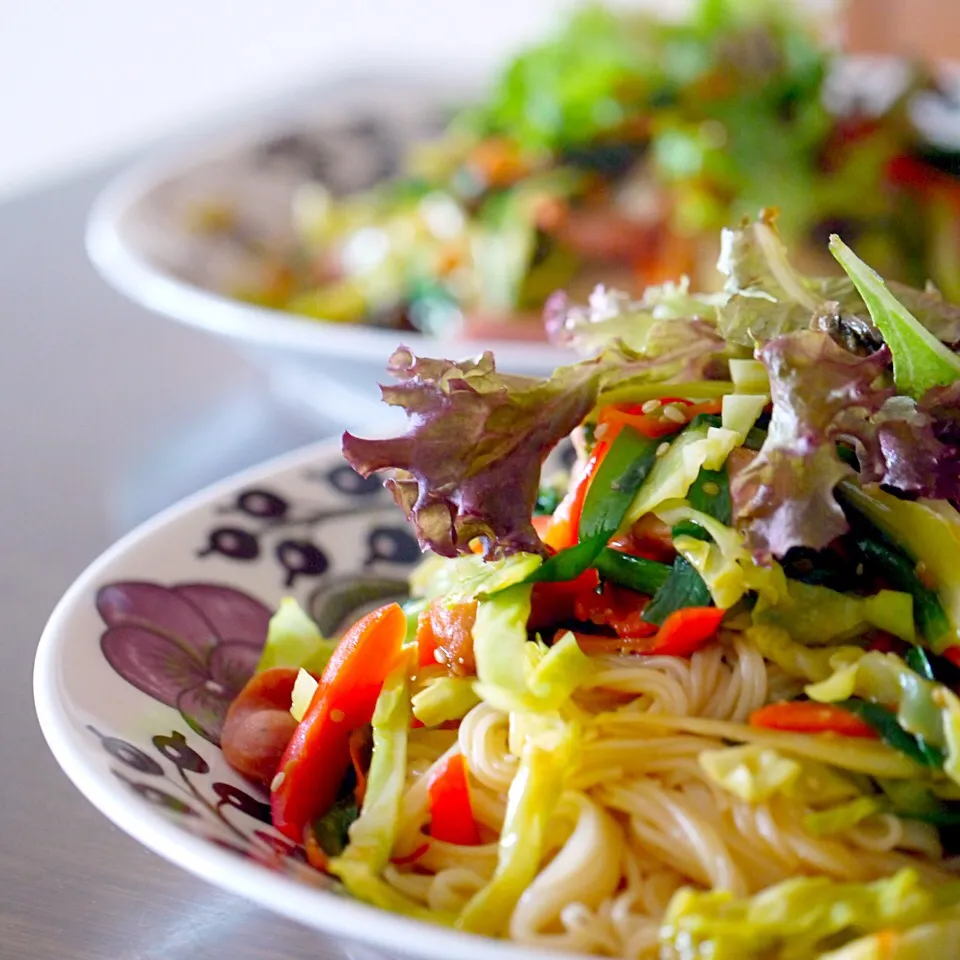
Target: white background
82,79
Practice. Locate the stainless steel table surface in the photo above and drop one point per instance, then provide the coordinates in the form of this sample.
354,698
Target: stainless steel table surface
107,414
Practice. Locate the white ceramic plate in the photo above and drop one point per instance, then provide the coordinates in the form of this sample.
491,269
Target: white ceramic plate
138,233
139,660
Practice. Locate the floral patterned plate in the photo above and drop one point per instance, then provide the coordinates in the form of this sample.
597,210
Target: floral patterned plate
141,657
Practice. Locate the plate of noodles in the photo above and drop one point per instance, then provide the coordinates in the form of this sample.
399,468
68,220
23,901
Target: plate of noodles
613,149
655,657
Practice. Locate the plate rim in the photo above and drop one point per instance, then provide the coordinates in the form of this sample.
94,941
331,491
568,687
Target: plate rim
341,917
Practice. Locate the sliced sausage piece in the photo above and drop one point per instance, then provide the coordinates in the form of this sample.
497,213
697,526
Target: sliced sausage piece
259,724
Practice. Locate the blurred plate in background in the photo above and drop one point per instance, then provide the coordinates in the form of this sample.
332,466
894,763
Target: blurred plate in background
177,231
143,237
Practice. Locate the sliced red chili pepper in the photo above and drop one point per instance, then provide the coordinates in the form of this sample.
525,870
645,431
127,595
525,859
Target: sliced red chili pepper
806,716
451,816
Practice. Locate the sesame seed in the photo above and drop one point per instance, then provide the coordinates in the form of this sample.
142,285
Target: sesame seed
650,406
337,716
663,448
277,782
601,431
440,655
672,413
859,569
710,488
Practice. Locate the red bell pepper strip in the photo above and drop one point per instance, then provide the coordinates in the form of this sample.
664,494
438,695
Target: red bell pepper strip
542,523
953,655
565,523
687,630
426,640
681,634
555,602
451,817
807,716
452,626
655,424
615,607
318,755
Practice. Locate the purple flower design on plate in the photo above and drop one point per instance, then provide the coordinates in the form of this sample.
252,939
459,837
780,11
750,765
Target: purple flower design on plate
192,646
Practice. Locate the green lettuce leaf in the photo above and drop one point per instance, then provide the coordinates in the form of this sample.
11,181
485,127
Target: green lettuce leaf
667,320
920,360
766,296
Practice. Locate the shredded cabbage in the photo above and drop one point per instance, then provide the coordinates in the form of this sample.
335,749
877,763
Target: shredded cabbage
674,473
756,773
513,674
740,412
725,564
797,659
817,615
921,705
930,532
468,576
797,918
373,833
294,640
749,376
500,649
558,671
842,817
443,699
940,939
546,757
304,688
